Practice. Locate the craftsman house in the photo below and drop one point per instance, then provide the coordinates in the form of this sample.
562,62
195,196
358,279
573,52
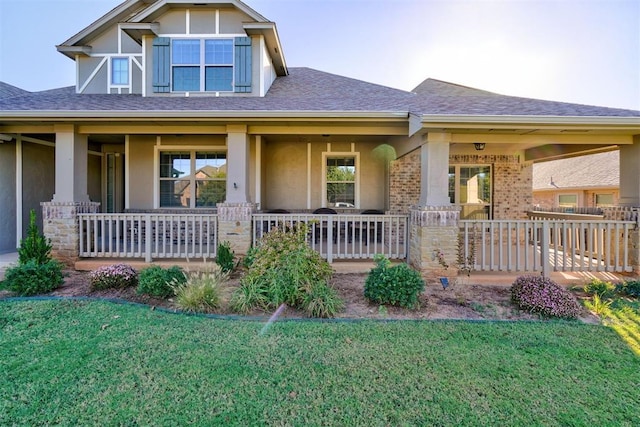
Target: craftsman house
186,128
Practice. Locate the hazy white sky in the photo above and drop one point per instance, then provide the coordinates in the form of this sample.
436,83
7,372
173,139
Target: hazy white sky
582,51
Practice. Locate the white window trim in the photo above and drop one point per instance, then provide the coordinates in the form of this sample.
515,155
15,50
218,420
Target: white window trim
110,71
336,154
192,149
201,65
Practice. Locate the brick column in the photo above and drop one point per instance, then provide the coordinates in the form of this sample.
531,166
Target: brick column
434,229
234,225
60,224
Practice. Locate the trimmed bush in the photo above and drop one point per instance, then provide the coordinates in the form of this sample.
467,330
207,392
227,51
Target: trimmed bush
159,282
35,246
600,288
399,285
541,295
201,291
225,257
285,270
113,276
33,278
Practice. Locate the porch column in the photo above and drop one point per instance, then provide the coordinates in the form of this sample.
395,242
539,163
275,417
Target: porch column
629,177
434,229
434,170
60,216
237,164
234,215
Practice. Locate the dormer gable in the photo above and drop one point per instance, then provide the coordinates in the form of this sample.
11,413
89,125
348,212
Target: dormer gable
178,48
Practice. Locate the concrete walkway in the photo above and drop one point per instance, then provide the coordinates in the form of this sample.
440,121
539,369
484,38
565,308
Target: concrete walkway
6,260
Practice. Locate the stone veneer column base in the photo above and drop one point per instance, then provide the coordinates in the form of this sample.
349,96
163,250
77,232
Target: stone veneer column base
60,225
234,225
434,229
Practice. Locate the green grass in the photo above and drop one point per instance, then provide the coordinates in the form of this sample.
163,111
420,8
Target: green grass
97,363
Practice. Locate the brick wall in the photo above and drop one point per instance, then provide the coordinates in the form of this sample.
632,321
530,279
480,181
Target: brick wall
512,181
404,183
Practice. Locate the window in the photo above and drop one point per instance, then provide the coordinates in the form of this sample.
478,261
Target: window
202,65
183,171
120,71
568,200
604,200
470,187
340,181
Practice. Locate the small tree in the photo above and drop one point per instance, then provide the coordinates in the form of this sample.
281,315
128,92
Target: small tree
35,246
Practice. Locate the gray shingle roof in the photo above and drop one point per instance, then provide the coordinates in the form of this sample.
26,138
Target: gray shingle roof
309,90
9,91
438,97
589,171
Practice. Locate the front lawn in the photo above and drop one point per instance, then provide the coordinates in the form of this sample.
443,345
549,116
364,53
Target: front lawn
93,363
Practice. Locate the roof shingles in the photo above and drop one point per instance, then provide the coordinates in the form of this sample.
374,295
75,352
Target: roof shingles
309,90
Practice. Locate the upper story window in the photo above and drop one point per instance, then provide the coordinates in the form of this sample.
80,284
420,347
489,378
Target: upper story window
202,65
120,71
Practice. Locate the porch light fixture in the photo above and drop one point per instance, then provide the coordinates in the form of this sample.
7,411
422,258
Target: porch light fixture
235,186
479,145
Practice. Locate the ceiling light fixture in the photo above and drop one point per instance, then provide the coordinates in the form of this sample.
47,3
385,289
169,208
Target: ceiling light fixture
479,145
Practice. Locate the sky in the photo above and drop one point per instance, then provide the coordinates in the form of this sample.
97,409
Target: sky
579,51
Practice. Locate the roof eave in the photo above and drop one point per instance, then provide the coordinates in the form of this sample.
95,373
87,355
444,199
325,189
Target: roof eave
201,114
270,33
530,119
73,51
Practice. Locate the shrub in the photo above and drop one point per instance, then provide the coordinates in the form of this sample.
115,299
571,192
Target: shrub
32,278
629,288
201,291
224,257
541,295
284,270
399,285
35,246
321,300
600,288
158,282
249,257
113,276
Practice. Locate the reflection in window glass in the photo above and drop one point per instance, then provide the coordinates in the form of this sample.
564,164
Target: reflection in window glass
341,181
470,187
211,178
177,180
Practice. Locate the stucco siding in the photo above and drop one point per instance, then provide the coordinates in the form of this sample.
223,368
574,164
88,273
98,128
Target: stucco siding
231,21
173,22
141,172
202,21
8,197
286,175
38,179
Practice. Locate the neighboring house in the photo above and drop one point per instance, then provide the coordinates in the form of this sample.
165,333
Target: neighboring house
170,85
589,181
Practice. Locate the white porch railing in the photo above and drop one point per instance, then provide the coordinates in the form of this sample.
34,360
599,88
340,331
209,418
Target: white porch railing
148,236
344,236
547,245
